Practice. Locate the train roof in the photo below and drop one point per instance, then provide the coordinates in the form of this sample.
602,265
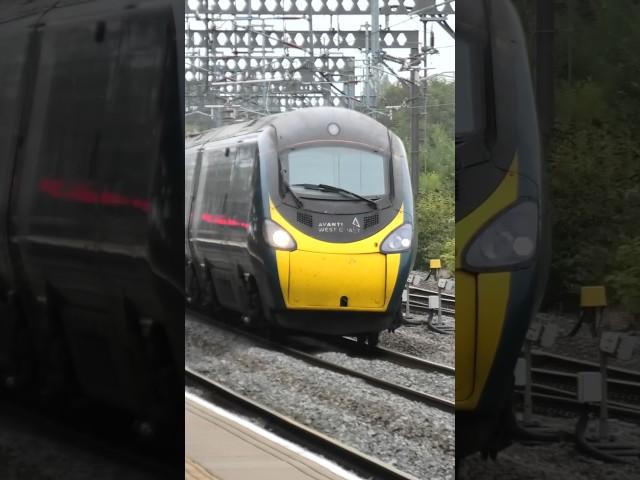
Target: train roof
12,10
299,126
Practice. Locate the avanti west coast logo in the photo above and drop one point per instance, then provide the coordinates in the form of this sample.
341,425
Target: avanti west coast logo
339,227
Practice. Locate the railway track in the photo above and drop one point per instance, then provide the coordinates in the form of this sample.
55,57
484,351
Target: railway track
555,385
566,364
560,372
402,359
441,403
423,294
287,428
419,301
619,390
560,401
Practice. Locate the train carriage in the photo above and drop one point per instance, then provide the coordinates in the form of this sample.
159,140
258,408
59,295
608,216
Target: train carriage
91,140
502,232
302,219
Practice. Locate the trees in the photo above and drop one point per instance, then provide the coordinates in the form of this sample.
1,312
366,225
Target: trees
594,154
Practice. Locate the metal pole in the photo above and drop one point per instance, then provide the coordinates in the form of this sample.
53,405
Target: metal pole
367,80
407,308
439,297
375,49
604,412
570,41
426,82
265,87
375,29
545,28
415,169
528,403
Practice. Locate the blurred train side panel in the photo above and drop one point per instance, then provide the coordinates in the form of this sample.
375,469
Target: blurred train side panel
91,186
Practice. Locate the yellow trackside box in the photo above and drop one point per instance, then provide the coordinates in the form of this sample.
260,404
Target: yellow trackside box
595,296
435,263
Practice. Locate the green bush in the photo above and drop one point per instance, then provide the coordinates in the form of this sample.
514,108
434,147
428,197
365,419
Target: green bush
625,281
594,172
436,229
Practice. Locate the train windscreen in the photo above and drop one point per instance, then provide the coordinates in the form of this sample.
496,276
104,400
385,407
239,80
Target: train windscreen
359,171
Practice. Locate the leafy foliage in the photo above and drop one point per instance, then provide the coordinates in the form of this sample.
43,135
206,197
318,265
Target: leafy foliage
624,280
594,172
436,222
594,154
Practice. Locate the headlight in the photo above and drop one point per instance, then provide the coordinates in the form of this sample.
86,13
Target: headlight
508,241
278,237
399,240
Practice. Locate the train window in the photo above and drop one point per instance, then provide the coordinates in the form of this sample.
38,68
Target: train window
359,171
470,74
240,184
93,161
191,157
67,131
213,192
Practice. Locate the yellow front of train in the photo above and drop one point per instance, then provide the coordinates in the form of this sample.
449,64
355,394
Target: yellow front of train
340,222
355,276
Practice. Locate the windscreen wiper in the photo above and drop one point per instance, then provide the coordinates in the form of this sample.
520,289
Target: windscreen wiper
288,188
330,188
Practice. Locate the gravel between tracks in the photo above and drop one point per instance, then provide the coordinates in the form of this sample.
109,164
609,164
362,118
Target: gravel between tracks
414,437
553,460
421,342
435,383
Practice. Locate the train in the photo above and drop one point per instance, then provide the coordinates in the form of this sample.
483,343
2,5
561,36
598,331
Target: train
502,219
301,220
91,146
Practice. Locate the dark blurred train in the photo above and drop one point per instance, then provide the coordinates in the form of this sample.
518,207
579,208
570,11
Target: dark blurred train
502,230
91,148
302,220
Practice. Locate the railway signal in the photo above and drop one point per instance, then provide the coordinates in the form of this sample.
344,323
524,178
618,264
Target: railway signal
435,265
593,300
593,388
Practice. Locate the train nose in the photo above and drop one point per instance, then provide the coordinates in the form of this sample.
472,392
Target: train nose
337,281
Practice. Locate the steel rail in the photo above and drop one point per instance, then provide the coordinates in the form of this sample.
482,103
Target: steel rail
444,296
565,400
425,307
423,297
398,358
294,431
409,393
574,365
626,408
617,388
